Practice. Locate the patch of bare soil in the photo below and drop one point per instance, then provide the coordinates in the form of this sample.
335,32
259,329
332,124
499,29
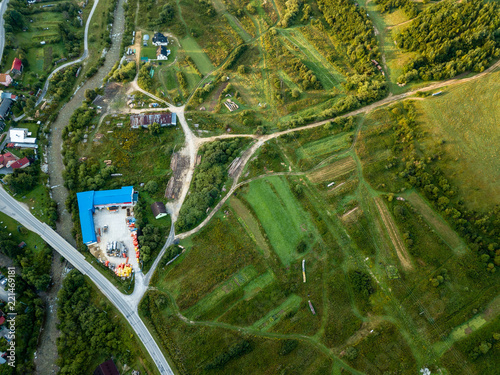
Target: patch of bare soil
179,165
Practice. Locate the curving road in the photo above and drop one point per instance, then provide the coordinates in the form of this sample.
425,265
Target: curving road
83,57
3,8
126,304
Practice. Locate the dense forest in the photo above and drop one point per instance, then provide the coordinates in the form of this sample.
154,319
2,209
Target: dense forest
450,38
87,332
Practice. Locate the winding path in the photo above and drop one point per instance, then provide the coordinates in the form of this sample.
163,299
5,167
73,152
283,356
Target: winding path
83,57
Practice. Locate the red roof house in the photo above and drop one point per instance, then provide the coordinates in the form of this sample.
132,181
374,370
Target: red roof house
21,163
2,320
9,159
17,66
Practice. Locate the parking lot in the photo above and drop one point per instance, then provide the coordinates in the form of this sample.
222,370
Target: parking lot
117,231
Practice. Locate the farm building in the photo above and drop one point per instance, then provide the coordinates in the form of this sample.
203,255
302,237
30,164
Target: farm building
5,80
17,67
162,53
159,210
88,201
160,40
144,120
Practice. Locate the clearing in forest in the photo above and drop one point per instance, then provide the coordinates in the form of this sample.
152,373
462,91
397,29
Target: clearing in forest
333,171
442,228
396,239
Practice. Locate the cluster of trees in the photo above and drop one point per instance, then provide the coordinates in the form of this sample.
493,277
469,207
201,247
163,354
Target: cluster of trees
34,263
207,182
86,331
235,55
130,7
150,239
201,93
361,283
192,64
144,79
351,26
181,78
235,351
418,170
451,38
293,66
23,180
29,310
72,40
407,6
61,83
293,8
166,16
126,73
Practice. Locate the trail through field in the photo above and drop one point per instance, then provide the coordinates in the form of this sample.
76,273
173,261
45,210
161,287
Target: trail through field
447,234
396,240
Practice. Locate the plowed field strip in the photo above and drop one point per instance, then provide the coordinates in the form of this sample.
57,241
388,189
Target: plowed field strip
396,240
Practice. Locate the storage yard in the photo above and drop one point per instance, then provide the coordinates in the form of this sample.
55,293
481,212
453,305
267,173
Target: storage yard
116,247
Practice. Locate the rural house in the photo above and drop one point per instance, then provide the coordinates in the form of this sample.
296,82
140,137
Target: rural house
7,159
21,163
17,67
160,40
159,209
144,120
162,53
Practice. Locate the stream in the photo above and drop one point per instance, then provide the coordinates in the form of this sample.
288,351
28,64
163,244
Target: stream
46,355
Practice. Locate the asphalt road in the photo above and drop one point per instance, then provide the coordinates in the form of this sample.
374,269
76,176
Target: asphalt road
127,305
3,8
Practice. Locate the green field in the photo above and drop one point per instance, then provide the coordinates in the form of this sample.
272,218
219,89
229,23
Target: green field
149,52
465,120
271,199
191,48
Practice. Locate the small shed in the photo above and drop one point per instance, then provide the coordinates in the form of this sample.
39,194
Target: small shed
159,210
107,368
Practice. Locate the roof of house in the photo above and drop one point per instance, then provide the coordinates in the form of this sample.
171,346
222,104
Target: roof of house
158,208
107,368
5,107
145,119
163,51
17,64
20,163
88,199
1,159
9,157
159,37
2,320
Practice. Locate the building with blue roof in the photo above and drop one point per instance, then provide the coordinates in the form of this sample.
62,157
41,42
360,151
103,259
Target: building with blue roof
89,200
